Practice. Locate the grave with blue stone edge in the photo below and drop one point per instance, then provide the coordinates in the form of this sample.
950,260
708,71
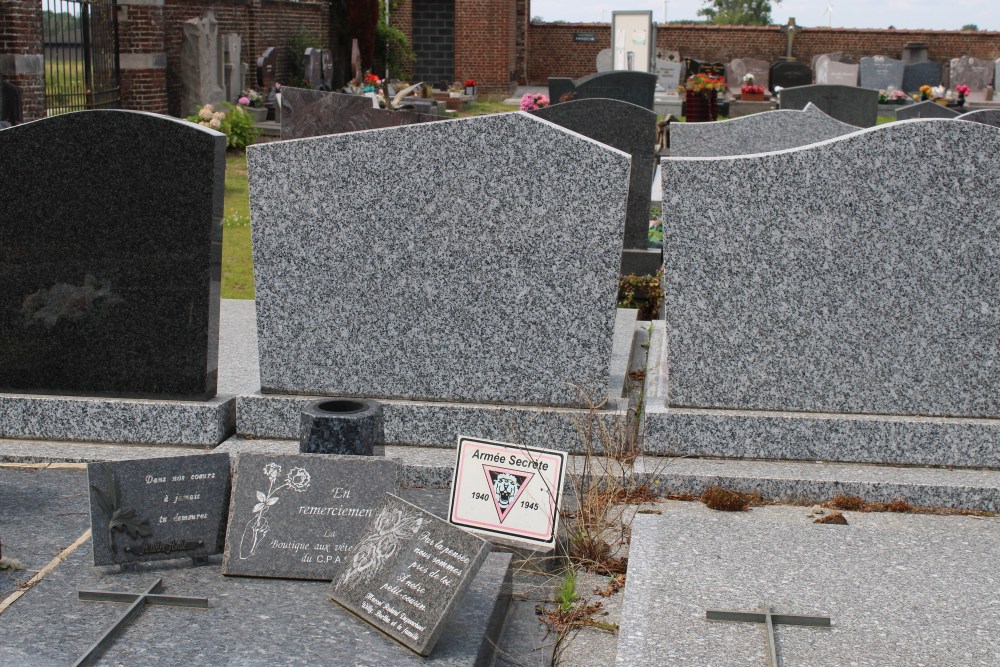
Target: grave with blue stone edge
299,516
408,573
157,509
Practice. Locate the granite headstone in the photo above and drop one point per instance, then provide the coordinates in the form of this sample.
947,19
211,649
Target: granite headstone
872,303
478,203
668,74
927,73
630,129
972,72
740,67
984,116
299,516
836,73
313,113
160,508
10,103
408,573
235,70
202,64
915,52
848,104
111,267
604,60
694,66
789,74
756,133
634,87
882,73
833,56
266,67
925,109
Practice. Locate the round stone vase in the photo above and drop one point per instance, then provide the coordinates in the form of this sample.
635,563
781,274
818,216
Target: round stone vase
701,107
341,426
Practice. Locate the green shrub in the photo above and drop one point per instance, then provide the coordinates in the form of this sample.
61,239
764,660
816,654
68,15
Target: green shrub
234,122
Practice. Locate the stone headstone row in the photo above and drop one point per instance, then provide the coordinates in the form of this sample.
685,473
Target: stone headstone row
313,113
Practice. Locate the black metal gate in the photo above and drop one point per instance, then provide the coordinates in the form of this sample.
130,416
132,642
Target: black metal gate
81,55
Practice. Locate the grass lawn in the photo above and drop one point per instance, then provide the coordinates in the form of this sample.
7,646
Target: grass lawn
237,262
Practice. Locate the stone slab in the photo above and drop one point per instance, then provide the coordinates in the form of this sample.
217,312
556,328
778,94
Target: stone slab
757,133
313,113
868,305
881,73
785,74
120,309
984,116
915,75
321,262
630,129
178,508
299,516
836,73
848,104
636,88
925,109
900,589
740,67
408,573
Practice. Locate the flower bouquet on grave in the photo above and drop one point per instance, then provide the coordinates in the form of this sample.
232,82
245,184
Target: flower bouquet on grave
925,92
701,93
963,91
894,97
749,92
253,98
470,86
530,102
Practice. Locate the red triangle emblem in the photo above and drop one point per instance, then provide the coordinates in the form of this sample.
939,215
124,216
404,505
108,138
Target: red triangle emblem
506,486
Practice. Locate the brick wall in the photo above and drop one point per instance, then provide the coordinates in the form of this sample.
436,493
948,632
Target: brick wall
21,55
486,44
433,40
142,61
552,51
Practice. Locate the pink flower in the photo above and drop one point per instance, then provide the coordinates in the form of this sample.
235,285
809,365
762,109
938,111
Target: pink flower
245,101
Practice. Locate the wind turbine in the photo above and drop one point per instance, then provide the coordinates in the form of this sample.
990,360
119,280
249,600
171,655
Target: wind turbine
829,14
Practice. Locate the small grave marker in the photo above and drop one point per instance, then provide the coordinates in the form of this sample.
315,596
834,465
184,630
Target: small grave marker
509,490
408,572
139,602
769,620
157,509
299,516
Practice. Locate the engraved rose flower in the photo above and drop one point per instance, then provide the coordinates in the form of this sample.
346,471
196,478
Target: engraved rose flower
297,479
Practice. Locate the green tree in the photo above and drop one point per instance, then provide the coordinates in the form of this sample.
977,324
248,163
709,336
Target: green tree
738,12
970,26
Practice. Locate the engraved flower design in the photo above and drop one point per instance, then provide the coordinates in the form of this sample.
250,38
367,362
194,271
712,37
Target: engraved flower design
297,479
391,527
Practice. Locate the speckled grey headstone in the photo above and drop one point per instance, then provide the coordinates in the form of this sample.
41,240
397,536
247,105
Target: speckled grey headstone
860,298
881,73
836,73
628,128
756,133
925,109
927,73
984,116
493,281
848,104
740,67
178,508
604,60
408,572
972,72
668,74
298,517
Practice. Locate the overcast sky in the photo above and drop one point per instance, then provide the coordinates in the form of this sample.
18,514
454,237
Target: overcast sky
915,14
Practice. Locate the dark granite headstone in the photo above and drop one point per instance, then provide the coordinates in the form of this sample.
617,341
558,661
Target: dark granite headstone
984,116
313,113
925,109
634,87
848,104
10,103
408,572
266,66
156,509
298,516
110,256
927,73
789,74
695,66
628,128
881,73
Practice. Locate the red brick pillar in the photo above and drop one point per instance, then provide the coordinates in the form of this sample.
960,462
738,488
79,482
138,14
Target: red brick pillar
22,59
486,44
142,55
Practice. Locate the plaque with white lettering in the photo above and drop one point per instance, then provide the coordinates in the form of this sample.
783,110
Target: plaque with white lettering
297,516
506,490
408,572
158,509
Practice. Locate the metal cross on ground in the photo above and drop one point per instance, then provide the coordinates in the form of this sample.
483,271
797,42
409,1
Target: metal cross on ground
139,601
769,620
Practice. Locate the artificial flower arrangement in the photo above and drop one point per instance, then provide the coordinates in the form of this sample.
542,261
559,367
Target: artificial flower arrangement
962,90
749,88
702,83
470,83
530,102
895,97
253,98
925,92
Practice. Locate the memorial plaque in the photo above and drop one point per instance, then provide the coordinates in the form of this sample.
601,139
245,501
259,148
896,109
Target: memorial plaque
508,490
157,509
882,73
299,516
408,572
